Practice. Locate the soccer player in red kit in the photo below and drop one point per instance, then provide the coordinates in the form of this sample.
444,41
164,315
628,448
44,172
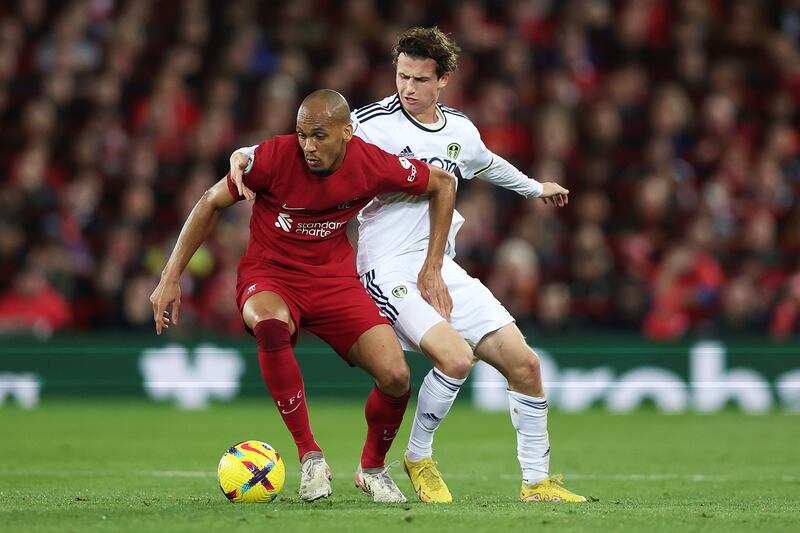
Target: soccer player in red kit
299,270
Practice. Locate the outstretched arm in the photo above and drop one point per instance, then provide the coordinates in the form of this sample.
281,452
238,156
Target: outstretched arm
504,174
442,191
197,227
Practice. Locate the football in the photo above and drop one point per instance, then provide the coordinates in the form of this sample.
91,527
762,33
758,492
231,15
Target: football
251,471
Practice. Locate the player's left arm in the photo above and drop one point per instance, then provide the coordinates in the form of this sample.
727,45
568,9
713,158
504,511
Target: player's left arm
400,174
442,192
503,174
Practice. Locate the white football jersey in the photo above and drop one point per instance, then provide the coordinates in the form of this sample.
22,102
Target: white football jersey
396,224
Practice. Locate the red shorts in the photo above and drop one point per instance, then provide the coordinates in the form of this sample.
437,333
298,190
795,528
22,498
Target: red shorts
337,310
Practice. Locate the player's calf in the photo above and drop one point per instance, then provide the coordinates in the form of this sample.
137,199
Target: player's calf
452,358
378,352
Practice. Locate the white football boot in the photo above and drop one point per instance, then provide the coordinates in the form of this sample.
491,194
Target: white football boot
315,478
379,485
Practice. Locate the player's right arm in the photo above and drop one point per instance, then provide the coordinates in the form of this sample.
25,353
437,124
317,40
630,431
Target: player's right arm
241,162
197,227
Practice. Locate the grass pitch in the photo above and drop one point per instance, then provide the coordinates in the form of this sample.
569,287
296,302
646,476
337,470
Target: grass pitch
135,466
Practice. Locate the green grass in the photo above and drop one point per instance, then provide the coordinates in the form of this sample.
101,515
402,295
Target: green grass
131,466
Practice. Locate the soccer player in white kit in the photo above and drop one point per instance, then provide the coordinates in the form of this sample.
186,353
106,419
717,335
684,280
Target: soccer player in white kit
392,242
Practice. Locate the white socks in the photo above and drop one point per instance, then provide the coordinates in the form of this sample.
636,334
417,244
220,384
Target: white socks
436,396
529,416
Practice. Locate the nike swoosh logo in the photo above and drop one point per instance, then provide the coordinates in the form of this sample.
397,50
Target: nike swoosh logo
292,411
292,208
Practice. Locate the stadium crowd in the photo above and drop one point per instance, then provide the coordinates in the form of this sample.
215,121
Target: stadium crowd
674,124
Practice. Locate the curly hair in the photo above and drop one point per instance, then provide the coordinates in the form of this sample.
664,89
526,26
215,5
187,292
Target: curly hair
427,43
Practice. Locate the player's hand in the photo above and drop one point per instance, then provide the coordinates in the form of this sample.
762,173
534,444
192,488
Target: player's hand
167,294
554,193
433,289
238,164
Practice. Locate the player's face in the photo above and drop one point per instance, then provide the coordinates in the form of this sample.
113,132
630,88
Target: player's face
323,141
418,85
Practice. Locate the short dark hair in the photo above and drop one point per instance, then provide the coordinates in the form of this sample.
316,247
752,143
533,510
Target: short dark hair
427,43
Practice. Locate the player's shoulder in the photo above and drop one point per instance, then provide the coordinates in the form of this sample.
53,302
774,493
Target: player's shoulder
368,155
364,148
456,117
283,142
453,112
459,121
278,151
281,146
382,108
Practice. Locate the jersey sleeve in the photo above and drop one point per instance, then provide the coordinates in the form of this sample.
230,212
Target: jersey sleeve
250,152
478,158
391,173
257,176
356,123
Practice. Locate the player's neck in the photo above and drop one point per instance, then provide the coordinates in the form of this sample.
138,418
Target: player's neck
428,116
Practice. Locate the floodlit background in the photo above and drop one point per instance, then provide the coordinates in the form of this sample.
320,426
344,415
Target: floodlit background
673,124
669,284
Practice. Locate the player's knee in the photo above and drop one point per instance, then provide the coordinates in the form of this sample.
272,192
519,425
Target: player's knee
394,380
272,335
262,315
452,357
457,362
527,371
255,315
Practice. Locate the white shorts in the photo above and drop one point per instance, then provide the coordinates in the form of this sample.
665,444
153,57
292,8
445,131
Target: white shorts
476,312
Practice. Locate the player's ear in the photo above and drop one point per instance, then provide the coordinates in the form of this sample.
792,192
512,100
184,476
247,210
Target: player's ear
444,80
347,133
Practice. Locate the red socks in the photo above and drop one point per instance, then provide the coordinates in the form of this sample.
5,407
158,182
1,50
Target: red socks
285,382
282,376
384,415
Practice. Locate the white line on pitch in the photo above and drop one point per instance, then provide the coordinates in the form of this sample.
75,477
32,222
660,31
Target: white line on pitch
177,473
579,477
639,477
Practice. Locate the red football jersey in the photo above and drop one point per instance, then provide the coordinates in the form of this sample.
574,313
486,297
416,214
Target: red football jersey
299,219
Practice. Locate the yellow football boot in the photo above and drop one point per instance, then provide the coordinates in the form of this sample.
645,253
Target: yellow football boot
427,481
549,490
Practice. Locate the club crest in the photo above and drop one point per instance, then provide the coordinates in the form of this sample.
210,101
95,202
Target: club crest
453,149
400,291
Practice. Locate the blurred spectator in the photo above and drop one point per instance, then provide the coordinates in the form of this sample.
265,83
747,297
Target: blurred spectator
740,309
687,287
515,277
786,317
32,305
590,272
554,312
